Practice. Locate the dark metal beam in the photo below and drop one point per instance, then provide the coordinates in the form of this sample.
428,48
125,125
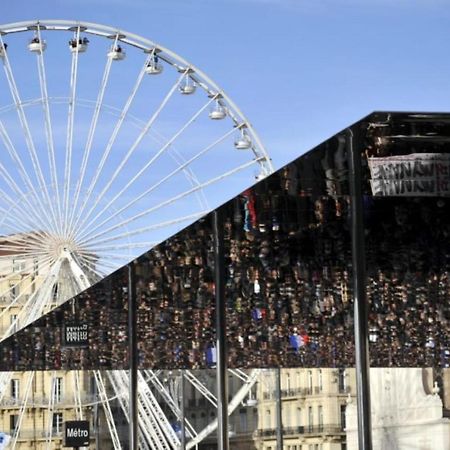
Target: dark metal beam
183,410
133,358
359,293
221,338
279,407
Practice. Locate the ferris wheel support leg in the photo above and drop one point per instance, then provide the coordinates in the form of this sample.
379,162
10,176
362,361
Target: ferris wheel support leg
221,338
183,411
80,276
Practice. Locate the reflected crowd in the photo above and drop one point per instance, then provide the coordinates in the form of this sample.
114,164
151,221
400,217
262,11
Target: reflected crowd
288,281
103,309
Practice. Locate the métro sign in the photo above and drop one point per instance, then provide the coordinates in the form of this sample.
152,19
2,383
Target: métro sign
75,335
76,433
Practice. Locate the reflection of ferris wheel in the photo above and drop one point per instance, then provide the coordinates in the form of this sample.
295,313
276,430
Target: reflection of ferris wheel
109,145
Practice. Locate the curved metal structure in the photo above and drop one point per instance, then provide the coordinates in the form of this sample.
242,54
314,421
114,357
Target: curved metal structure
93,169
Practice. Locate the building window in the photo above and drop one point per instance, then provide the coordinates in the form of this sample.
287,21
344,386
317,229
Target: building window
15,388
343,421
310,418
18,265
57,422
320,379
298,377
288,383
342,380
310,381
14,322
299,417
287,415
14,290
58,389
55,292
13,419
243,424
320,414
268,419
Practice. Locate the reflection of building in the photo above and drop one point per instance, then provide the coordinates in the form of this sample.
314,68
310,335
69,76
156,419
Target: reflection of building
201,412
313,408
406,412
49,397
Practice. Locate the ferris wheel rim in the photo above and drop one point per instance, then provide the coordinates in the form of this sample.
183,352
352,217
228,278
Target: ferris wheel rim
146,45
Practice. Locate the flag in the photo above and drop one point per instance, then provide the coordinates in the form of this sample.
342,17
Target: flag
4,440
211,356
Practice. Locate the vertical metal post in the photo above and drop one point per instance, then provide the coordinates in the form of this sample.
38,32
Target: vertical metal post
96,422
221,338
279,408
183,410
359,295
133,357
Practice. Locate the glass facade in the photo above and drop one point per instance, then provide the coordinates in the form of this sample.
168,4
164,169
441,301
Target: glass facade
288,279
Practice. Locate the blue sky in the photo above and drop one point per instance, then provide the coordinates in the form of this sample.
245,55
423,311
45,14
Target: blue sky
299,69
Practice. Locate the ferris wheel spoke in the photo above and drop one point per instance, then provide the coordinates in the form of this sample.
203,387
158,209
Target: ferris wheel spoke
130,152
99,248
22,410
163,180
15,222
69,135
107,410
28,240
91,134
22,245
110,256
19,319
13,276
50,411
12,184
21,169
92,268
144,229
152,376
39,299
48,127
94,261
14,300
27,133
19,252
191,177
200,387
111,140
151,161
77,398
20,258
174,199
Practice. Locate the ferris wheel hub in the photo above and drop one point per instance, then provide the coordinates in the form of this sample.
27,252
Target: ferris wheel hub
61,248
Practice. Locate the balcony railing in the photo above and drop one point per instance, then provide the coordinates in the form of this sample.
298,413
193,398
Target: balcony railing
302,392
37,434
6,299
344,389
303,430
43,402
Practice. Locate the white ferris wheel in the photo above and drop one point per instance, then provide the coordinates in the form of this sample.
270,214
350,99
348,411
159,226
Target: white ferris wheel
109,143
